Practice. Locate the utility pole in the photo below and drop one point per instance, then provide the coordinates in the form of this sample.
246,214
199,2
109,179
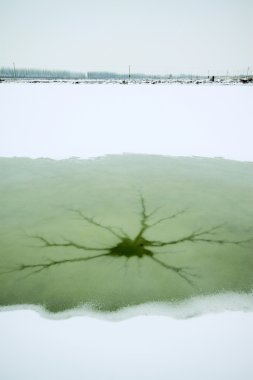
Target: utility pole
247,72
129,72
14,70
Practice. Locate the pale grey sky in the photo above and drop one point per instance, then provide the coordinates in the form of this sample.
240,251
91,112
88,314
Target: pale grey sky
163,36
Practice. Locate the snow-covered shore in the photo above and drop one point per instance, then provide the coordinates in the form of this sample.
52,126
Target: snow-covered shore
154,81
60,121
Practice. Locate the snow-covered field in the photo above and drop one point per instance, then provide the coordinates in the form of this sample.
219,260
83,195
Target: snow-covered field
62,121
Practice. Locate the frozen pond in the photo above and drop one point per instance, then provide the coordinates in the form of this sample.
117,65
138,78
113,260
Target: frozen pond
124,230
172,236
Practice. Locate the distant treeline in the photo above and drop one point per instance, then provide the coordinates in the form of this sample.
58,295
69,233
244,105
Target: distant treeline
103,75
6,72
21,73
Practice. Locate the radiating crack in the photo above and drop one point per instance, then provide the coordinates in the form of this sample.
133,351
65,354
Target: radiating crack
126,247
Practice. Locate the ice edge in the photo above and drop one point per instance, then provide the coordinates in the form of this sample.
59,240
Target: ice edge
192,307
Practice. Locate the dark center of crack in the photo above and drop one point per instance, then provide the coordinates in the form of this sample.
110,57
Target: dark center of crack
131,248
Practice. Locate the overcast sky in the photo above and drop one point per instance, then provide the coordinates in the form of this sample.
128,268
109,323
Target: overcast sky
163,36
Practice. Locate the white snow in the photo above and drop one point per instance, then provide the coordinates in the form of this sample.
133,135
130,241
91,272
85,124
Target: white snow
211,347
64,120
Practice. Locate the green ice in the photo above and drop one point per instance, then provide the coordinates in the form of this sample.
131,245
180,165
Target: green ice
123,230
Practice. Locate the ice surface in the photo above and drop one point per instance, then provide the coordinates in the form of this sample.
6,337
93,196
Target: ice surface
124,230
